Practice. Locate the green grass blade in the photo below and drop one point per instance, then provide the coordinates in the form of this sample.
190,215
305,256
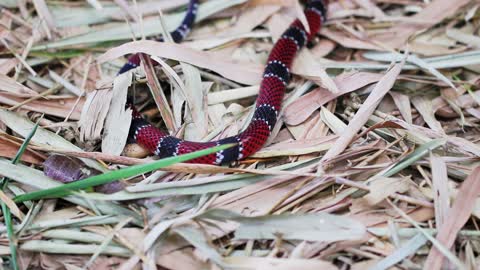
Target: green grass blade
25,143
20,152
116,175
7,215
11,236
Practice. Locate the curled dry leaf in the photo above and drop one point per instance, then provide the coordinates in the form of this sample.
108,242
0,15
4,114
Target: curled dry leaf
94,113
117,122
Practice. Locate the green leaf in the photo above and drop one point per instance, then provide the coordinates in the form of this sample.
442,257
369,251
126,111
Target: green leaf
11,236
198,185
7,215
116,175
29,176
25,143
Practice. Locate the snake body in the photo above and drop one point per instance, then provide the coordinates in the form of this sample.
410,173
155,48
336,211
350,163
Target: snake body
268,104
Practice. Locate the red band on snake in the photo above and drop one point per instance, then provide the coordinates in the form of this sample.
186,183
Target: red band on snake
268,104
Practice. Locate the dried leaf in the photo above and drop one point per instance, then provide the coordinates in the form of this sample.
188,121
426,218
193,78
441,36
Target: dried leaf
243,73
441,195
302,108
309,227
361,117
278,263
457,217
117,122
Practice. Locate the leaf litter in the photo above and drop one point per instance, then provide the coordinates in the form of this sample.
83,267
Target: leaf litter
372,165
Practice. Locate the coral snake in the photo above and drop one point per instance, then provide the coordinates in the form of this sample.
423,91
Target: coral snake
268,104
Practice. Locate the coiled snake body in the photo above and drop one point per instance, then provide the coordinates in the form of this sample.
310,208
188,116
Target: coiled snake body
268,104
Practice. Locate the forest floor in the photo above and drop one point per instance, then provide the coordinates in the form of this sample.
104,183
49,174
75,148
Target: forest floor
372,164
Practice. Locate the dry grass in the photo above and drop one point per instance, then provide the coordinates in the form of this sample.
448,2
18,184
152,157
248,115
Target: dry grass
372,165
